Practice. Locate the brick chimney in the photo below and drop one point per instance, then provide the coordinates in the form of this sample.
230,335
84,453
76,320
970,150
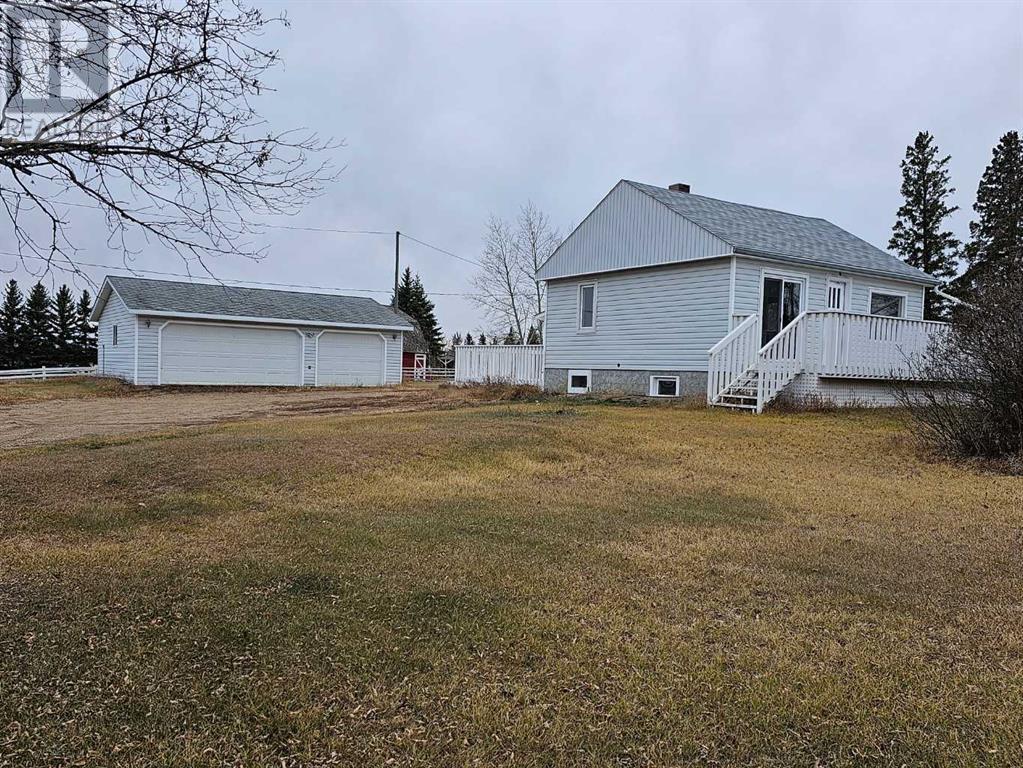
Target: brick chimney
679,188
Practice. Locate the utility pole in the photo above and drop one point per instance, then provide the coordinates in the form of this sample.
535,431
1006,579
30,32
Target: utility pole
397,241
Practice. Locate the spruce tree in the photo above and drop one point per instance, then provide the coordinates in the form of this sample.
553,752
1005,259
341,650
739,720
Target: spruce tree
512,337
456,339
12,323
482,340
65,327
85,332
469,342
533,337
39,336
917,236
995,250
413,301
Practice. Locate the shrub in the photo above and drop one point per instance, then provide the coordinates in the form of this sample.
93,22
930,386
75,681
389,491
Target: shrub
969,400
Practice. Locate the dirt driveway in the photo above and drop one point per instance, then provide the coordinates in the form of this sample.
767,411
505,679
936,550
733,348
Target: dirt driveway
57,420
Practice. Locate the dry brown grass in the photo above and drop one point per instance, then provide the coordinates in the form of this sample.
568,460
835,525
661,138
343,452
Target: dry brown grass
517,584
75,387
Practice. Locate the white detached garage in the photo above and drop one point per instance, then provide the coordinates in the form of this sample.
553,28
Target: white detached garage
165,332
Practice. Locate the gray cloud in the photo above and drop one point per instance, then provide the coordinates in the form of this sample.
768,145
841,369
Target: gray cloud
451,112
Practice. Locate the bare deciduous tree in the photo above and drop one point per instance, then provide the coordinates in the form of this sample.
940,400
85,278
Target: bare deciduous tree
506,285
537,240
169,147
500,286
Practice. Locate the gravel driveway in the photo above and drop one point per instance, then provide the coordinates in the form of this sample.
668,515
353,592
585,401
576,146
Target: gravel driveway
52,421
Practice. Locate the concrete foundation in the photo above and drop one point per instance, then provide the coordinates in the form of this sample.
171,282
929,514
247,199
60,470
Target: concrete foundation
691,383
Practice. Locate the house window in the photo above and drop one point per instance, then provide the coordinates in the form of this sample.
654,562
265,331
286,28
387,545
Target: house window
887,304
578,382
587,306
113,336
664,386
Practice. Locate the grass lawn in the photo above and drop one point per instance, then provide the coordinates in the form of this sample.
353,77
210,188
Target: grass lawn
525,584
74,387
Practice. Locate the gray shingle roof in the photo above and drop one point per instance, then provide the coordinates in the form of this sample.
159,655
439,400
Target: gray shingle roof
166,296
764,232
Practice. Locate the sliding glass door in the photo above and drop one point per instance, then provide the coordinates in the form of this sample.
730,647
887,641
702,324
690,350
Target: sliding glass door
781,304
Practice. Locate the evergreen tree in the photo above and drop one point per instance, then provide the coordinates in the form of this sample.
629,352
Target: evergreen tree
512,337
413,301
65,327
12,323
469,342
995,250
917,236
533,337
85,332
483,339
456,340
39,337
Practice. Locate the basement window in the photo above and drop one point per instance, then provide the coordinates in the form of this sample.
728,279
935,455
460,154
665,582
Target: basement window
664,386
578,382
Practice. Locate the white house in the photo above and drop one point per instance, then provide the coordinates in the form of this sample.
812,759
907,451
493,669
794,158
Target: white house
666,293
164,332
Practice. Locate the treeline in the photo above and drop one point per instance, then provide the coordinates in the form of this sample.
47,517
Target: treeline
40,330
512,337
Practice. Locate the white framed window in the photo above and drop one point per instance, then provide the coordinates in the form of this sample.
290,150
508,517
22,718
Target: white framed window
587,307
664,386
578,382
887,303
113,336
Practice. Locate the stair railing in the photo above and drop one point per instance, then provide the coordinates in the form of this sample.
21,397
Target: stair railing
731,357
780,361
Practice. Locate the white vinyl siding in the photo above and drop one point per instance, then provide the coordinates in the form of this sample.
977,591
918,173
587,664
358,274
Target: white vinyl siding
206,353
748,274
116,360
630,229
661,318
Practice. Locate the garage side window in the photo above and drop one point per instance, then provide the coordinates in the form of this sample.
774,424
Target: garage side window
587,306
113,336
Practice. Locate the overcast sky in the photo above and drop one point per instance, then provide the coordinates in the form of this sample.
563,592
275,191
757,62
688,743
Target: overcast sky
452,111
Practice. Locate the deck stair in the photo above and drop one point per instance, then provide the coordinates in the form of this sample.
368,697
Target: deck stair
742,393
742,374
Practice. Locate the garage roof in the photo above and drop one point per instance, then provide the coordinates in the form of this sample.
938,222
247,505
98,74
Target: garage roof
143,296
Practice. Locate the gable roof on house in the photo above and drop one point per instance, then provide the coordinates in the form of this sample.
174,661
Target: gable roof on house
748,230
143,296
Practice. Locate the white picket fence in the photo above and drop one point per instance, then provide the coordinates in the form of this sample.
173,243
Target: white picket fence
17,374
514,364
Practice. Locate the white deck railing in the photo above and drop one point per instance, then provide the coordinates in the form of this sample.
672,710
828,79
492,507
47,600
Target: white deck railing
17,374
866,346
781,360
514,364
731,357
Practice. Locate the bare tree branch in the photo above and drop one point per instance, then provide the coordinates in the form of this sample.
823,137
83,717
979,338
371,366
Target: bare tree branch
506,287
170,149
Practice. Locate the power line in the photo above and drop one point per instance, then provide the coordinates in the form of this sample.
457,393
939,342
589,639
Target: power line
441,250
223,280
293,227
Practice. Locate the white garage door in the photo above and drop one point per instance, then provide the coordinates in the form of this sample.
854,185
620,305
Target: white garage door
350,359
222,354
